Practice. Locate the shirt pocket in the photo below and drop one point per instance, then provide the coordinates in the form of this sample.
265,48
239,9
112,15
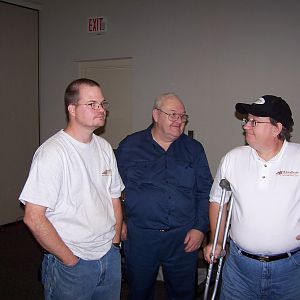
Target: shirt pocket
184,173
140,172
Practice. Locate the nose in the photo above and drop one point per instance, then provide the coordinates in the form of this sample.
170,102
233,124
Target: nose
247,125
179,120
247,128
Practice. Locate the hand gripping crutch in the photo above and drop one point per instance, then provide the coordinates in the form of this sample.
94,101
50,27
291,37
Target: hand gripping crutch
225,185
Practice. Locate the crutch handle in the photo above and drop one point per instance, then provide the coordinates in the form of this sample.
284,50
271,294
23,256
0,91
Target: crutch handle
224,184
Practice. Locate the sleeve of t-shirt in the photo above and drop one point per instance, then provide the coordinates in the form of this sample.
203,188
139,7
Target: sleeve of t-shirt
216,190
44,181
117,185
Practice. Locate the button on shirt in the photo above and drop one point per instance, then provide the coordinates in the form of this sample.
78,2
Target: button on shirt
164,189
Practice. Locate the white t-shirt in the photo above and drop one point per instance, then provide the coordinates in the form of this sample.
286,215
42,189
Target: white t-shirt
266,211
76,182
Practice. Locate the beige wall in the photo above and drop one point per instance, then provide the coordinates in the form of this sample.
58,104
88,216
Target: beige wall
212,53
19,122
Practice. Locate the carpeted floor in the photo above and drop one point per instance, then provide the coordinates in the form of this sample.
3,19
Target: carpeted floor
20,259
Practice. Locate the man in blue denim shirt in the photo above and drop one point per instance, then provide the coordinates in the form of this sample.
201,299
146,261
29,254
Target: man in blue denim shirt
167,183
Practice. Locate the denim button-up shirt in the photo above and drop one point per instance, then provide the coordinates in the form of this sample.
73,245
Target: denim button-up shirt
164,189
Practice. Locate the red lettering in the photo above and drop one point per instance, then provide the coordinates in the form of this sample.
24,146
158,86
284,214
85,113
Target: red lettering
90,24
96,24
102,24
95,27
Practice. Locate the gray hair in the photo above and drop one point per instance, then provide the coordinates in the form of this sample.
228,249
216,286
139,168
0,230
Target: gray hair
158,101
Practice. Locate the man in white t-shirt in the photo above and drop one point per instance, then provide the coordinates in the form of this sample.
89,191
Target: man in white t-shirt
72,203
264,259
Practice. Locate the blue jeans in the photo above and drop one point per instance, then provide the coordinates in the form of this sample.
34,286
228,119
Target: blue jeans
86,280
246,278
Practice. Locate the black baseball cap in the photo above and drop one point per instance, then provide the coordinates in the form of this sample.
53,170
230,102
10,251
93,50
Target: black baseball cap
268,106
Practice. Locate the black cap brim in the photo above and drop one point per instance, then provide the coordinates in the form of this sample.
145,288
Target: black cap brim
244,109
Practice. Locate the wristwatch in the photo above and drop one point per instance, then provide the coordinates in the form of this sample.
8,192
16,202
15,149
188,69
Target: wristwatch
118,245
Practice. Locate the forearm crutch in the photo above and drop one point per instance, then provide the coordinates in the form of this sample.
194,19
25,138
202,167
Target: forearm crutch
225,185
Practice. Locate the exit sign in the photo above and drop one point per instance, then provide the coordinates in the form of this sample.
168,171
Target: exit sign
97,25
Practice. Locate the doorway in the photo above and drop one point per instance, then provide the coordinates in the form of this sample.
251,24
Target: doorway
115,78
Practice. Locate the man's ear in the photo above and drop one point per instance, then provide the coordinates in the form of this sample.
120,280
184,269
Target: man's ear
155,115
71,109
278,129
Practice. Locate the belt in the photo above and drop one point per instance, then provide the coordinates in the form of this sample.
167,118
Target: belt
269,258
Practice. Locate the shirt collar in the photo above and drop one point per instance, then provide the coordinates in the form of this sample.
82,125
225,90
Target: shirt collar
149,134
277,157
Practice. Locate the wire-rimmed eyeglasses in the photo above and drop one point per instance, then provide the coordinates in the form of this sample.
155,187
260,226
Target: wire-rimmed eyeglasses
175,116
96,105
252,122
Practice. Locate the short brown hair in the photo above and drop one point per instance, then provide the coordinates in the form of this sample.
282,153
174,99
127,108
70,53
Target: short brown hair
73,90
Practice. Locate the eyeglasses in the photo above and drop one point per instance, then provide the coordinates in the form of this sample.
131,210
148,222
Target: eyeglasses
175,116
96,105
252,122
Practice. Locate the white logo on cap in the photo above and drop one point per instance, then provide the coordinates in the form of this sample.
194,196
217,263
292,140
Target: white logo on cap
260,101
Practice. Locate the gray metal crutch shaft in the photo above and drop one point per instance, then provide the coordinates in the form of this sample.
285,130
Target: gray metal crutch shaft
223,252
225,185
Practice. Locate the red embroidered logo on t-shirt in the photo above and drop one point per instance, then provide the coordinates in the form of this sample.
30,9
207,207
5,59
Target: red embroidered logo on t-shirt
106,173
287,173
